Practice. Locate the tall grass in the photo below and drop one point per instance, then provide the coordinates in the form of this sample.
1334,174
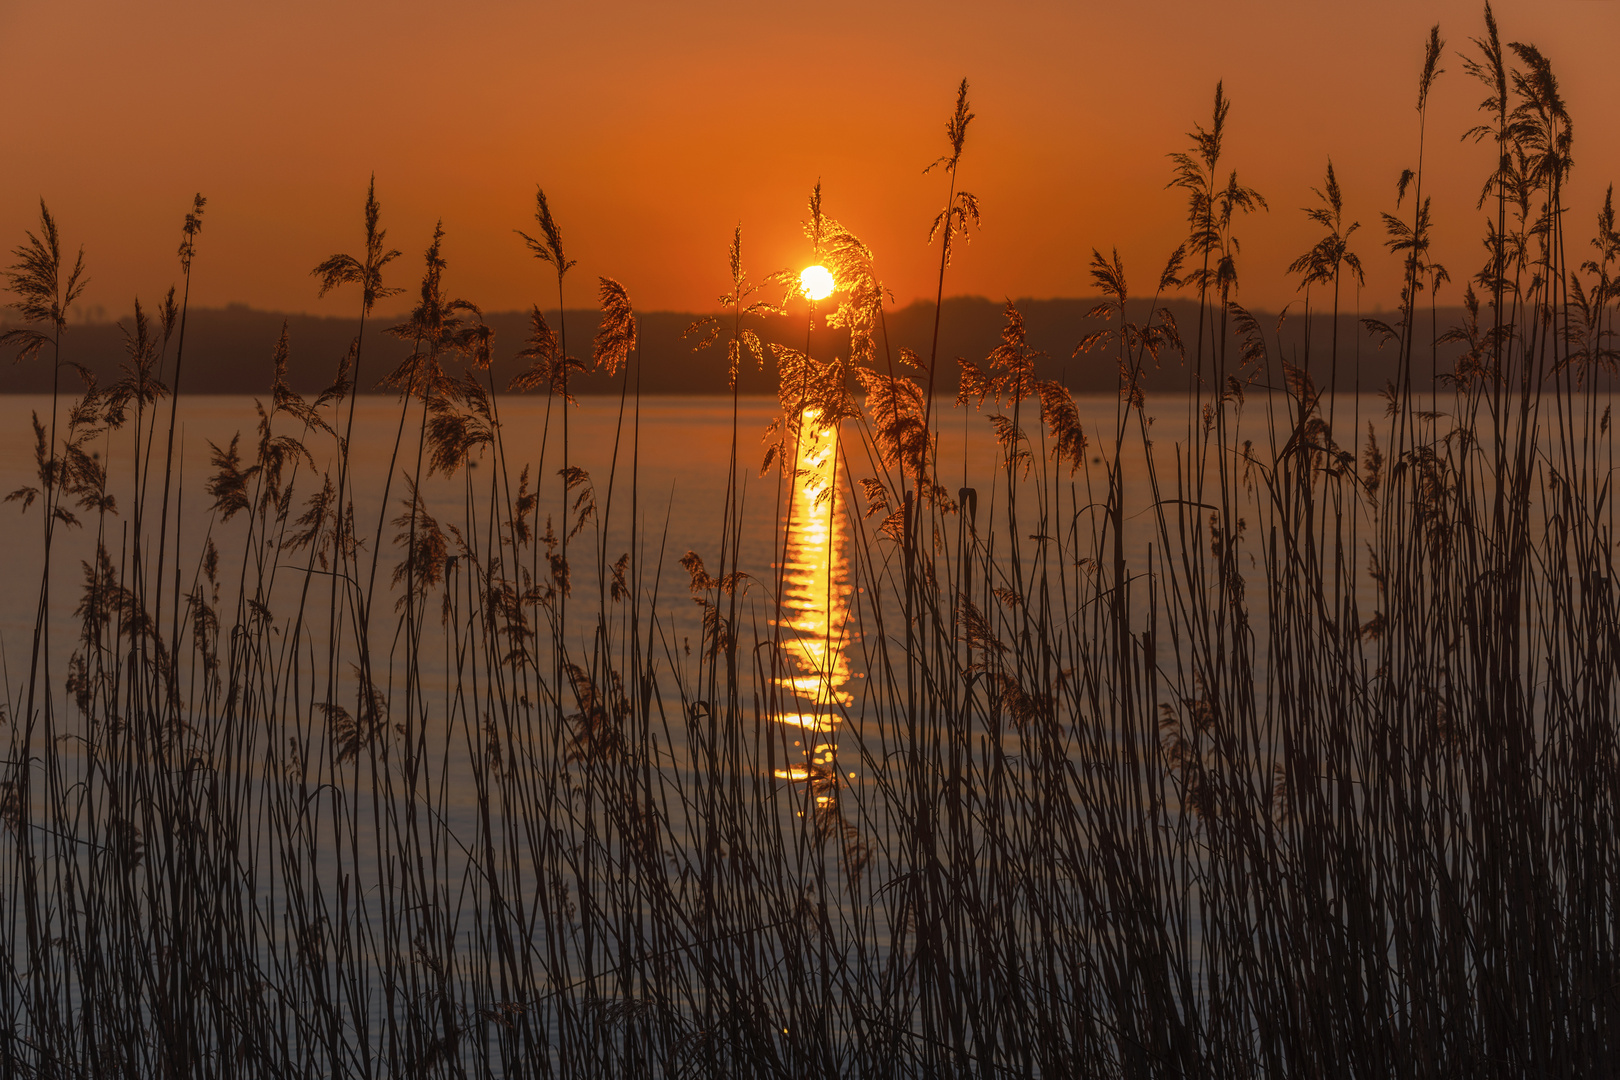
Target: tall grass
1274,743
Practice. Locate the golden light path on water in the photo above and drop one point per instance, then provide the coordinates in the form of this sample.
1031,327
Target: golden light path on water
816,597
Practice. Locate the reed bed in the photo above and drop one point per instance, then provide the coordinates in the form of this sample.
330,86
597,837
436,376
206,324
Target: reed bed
1246,734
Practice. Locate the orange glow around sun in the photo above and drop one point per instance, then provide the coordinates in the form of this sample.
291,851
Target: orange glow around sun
621,119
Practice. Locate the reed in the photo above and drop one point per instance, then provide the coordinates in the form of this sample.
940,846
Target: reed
1277,740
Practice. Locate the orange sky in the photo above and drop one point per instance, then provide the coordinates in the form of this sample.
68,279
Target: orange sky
655,127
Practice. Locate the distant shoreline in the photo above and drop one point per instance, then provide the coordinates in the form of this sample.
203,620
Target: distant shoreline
229,350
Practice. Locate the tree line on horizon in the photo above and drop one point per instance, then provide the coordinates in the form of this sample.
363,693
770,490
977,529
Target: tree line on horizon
233,348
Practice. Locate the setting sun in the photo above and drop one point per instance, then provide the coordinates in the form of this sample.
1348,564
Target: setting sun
817,282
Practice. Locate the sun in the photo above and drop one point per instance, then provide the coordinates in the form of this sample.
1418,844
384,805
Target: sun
817,282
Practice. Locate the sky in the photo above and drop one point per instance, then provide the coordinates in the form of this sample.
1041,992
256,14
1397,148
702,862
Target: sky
655,128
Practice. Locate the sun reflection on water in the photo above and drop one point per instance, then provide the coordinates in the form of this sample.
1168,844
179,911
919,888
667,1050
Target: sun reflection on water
815,608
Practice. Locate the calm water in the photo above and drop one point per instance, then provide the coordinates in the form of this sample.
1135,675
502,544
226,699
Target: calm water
664,466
